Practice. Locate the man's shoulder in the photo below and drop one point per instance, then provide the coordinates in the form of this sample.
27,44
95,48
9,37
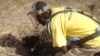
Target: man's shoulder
57,9
61,7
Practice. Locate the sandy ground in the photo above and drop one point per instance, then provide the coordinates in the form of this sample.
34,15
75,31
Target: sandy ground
15,23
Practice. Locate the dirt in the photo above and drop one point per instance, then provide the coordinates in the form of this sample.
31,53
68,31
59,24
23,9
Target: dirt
15,23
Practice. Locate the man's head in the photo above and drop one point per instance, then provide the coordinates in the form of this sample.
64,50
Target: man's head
42,11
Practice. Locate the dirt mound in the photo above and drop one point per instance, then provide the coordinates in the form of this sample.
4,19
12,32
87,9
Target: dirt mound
15,23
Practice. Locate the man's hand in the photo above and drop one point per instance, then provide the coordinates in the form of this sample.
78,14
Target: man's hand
64,49
61,51
44,38
59,54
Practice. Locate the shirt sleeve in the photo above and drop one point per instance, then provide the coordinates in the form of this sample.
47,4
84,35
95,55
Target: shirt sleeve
57,31
59,39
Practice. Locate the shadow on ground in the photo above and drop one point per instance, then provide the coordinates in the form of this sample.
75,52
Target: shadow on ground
10,41
29,46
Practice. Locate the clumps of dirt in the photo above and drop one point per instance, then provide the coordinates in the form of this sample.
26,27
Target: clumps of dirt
10,46
8,41
36,47
97,54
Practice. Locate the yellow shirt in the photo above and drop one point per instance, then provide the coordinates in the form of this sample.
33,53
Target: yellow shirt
72,24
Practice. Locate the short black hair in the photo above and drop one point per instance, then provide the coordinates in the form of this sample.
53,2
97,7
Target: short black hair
40,5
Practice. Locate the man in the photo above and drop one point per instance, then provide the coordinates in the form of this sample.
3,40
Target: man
68,22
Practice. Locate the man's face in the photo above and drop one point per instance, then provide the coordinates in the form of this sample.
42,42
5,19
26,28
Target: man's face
43,17
41,20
